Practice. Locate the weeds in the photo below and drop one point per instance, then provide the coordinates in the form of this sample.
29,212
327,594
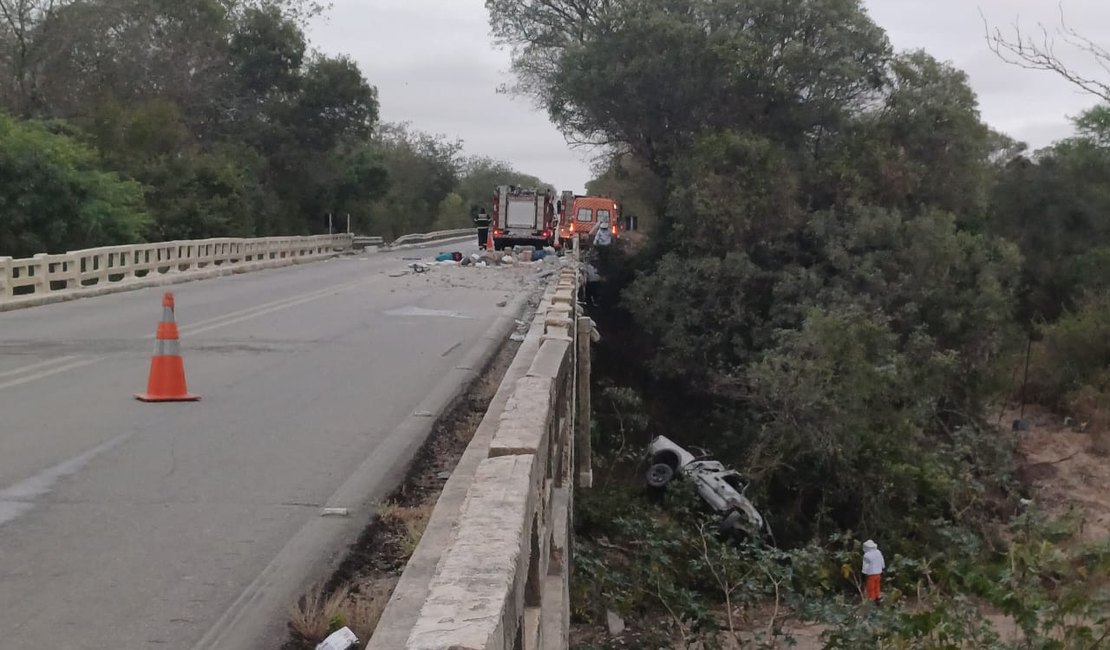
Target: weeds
317,614
409,521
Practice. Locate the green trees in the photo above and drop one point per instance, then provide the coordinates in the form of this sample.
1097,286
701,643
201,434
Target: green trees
53,198
1054,205
230,125
820,294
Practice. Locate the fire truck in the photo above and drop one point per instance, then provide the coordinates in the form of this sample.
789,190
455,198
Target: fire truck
524,216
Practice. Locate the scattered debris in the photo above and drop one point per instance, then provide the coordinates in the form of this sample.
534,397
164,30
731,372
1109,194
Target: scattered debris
443,476
518,337
335,512
343,639
521,255
503,303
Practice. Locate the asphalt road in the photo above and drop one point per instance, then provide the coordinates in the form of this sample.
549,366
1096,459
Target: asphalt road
129,525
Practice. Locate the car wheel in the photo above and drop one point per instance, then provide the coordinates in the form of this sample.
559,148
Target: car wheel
659,475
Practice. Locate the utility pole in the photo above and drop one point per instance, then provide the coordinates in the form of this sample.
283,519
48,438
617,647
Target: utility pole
348,223
330,229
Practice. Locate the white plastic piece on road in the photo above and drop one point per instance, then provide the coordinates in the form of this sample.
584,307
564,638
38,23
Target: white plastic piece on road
343,639
335,512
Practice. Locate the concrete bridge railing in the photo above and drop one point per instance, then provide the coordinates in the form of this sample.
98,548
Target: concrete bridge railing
493,568
48,278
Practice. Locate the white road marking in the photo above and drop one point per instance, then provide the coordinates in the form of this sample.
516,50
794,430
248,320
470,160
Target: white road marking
20,498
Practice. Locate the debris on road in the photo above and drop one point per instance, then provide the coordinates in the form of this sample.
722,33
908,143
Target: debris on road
518,337
500,271
335,512
343,639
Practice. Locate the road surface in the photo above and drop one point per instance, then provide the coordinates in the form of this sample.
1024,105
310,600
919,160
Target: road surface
128,525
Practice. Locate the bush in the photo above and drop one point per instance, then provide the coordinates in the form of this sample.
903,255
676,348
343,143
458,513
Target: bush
1070,368
53,198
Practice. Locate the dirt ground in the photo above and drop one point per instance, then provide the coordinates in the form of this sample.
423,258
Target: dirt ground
1065,471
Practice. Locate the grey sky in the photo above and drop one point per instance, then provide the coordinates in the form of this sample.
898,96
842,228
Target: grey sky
435,67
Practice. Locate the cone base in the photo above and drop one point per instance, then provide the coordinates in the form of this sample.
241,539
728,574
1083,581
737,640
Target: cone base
187,397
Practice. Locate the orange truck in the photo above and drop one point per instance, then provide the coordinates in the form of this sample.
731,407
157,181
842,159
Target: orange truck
582,214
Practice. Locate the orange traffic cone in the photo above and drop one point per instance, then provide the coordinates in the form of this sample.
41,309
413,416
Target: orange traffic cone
167,371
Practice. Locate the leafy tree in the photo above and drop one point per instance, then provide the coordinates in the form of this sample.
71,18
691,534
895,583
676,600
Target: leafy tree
646,76
628,181
53,198
820,294
1054,206
22,50
423,171
479,176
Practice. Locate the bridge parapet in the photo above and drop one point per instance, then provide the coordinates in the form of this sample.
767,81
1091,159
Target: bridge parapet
52,278
501,575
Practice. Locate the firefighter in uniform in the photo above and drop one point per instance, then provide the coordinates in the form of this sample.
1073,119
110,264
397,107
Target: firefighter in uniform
481,221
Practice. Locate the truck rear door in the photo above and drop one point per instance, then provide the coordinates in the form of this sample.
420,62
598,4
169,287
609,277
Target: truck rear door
522,214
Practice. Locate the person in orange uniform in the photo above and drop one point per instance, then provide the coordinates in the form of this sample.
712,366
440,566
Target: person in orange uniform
873,565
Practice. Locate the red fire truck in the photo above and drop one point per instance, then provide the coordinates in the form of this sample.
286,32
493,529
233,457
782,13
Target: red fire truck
523,216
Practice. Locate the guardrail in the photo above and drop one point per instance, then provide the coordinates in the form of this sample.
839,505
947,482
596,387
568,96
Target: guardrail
359,242
492,571
433,236
49,278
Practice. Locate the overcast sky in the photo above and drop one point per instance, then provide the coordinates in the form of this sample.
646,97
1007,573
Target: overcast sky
435,67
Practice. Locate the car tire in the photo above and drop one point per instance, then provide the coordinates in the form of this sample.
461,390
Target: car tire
659,475
732,526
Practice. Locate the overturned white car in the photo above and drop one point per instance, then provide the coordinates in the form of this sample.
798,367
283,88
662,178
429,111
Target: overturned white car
722,489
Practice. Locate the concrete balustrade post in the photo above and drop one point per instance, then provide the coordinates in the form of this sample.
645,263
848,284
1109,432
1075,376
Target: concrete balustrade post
6,288
582,433
40,270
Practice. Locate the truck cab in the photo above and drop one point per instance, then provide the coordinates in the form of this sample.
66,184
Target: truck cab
523,217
